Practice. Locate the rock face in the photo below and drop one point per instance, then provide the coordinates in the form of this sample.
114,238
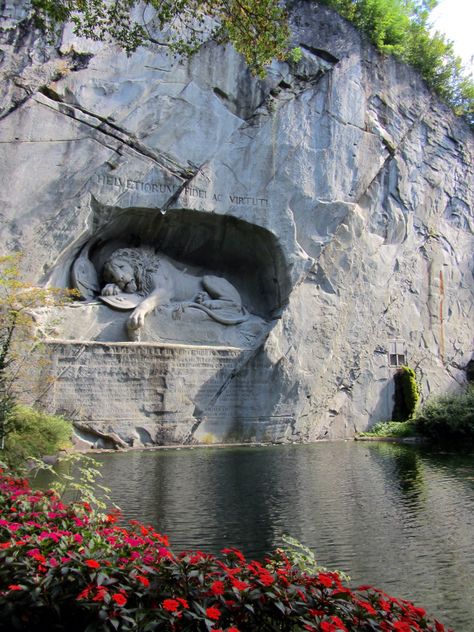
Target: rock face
335,196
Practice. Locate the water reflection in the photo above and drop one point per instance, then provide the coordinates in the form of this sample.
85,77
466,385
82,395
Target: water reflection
400,517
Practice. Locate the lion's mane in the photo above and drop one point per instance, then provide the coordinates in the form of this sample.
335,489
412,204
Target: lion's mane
144,262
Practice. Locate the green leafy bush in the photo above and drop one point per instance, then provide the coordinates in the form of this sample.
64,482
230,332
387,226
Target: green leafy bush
32,433
402,28
392,429
407,394
448,417
66,567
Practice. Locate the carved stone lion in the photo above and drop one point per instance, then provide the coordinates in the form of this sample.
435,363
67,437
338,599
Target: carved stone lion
144,280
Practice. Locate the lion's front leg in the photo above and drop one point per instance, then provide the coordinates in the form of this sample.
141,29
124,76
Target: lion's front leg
137,318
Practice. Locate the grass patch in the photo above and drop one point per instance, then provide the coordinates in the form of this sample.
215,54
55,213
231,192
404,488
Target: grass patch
392,429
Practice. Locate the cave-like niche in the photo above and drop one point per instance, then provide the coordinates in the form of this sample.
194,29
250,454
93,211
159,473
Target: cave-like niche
238,254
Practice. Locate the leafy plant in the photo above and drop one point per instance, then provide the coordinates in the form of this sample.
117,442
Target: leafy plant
402,28
303,558
407,394
75,478
66,567
257,28
18,340
448,417
32,433
392,429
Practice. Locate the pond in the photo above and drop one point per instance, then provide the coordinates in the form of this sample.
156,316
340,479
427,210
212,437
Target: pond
400,517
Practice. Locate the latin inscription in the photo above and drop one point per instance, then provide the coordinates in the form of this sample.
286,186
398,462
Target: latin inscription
234,199
117,382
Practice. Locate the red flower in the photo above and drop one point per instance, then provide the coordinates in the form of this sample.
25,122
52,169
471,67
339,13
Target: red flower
162,538
385,605
92,564
236,583
266,578
325,626
111,518
420,612
340,625
171,605
367,607
213,613
401,626
182,602
84,594
101,592
236,552
217,588
143,580
36,555
119,599
14,587
325,580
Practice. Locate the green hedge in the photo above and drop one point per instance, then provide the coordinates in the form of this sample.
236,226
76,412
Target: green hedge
32,433
403,29
449,416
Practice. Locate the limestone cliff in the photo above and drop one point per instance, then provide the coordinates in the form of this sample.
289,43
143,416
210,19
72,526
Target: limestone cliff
336,194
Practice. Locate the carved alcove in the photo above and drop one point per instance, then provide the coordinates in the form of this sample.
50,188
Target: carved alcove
242,255
247,255
177,381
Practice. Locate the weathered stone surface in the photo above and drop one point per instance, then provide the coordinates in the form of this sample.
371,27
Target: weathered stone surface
335,195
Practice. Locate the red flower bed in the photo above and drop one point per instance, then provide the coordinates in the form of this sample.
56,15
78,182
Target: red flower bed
69,568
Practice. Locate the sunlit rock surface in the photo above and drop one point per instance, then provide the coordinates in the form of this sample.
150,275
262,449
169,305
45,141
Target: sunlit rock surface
336,194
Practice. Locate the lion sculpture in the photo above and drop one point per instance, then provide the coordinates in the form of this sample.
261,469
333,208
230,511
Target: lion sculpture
144,280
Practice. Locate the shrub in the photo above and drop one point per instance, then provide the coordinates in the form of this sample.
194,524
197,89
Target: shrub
65,567
32,433
449,416
406,394
392,429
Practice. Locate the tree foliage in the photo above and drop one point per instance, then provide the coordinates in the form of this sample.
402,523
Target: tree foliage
402,28
448,417
18,300
33,434
258,29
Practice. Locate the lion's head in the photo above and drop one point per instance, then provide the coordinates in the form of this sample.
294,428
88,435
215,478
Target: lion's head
142,261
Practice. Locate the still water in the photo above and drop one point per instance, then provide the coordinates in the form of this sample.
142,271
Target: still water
396,516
